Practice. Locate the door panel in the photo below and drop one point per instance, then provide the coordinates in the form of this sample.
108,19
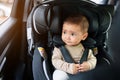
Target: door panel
6,31
11,40
8,45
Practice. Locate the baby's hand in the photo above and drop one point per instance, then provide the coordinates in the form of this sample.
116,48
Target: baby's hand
84,67
76,68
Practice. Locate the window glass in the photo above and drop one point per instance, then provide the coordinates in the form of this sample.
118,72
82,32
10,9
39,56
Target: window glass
99,1
5,9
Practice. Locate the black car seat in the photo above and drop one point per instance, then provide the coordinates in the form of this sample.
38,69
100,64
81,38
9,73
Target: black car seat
45,23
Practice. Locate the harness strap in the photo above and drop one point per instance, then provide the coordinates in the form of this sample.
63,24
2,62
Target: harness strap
84,56
68,58
66,55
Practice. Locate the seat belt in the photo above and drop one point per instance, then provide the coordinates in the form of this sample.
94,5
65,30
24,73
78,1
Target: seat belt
69,59
84,56
66,55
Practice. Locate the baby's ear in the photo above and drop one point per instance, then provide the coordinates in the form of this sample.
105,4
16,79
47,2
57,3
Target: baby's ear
85,35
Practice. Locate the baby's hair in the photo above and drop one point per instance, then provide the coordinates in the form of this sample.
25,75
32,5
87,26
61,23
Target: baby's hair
79,19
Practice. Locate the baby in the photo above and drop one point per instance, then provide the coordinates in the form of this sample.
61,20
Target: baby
75,29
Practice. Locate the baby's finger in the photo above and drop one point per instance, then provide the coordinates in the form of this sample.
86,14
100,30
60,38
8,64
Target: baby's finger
81,70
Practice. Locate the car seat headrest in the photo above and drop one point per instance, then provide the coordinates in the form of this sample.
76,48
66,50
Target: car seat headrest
50,15
105,18
46,18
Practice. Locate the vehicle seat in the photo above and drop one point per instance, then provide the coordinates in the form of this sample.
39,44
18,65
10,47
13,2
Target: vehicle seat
46,21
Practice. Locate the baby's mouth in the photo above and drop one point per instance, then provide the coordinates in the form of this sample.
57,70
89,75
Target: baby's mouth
68,42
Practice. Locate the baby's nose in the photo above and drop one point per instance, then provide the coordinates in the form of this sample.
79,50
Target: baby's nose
67,37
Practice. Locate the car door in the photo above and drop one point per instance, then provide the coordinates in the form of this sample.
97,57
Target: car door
13,41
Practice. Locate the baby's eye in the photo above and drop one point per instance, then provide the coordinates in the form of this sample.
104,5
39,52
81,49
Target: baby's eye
73,34
64,32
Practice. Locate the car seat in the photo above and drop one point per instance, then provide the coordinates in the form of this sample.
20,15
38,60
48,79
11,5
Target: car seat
45,24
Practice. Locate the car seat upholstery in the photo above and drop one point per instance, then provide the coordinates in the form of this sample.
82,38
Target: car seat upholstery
114,36
46,21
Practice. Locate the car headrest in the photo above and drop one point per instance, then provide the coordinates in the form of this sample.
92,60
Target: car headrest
50,15
105,17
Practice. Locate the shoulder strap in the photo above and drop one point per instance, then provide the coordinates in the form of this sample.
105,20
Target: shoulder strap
84,56
66,55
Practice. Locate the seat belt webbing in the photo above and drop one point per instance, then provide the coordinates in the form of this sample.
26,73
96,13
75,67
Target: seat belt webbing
84,56
66,55
69,59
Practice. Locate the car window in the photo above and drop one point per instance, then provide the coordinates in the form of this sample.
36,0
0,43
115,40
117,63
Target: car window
5,9
100,1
